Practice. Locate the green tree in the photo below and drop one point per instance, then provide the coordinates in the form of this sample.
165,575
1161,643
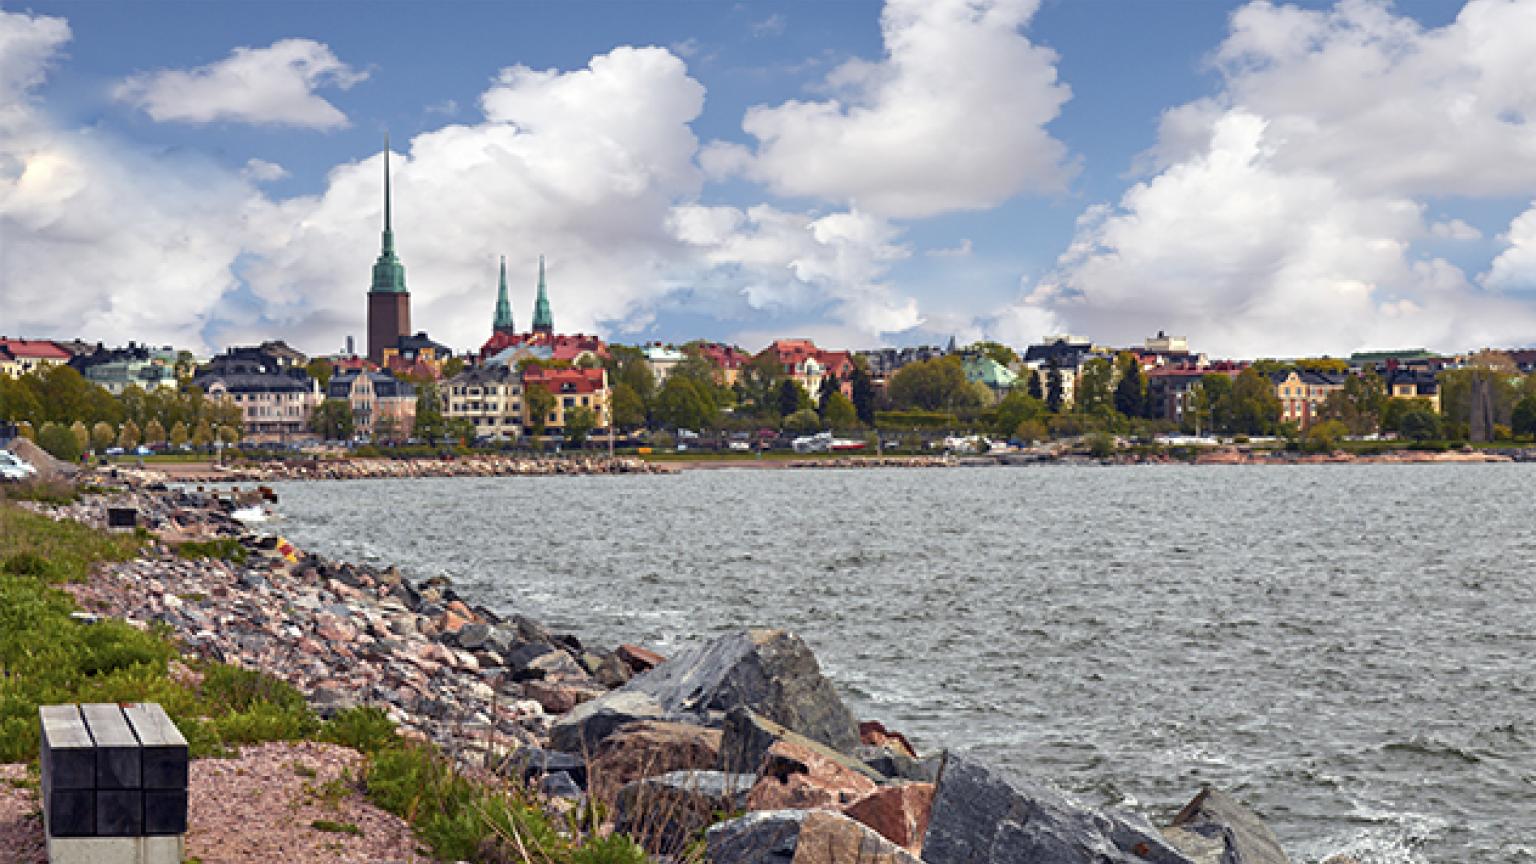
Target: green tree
759,383
540,404
1324,436
333,420
628,407
1523,418
803,420
452,367
1419,423
999,352
840,413
460,430
58,441
202,435
1255,407
1032,384
322,370
1095,391
102,436
864,392
24,429
179,435
792,397
1211,404
128,435
1055,393
229,434
1131,392
579,423
82,435
1031,431
684,403
430,425
1360,405
154,433
933,385
1015,409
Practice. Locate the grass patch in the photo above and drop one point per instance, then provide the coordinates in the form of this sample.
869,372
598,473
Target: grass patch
55,492
227,548
330,827
47,658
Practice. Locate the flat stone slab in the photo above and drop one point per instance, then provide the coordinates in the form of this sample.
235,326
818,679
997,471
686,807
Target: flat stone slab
1218,821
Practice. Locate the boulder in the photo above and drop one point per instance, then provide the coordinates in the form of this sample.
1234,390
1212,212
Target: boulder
647,748
584,727
800,837
772,672
472,636
663,813
531,763
793,776
638,659
872,733
980,818
559,785
897,813
1214,828
558,666
748,736
896,766
558,697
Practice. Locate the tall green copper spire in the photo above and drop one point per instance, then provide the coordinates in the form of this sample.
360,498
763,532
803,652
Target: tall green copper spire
543,322
503,322
388,272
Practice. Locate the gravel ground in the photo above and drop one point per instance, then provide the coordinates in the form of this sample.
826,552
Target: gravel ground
21,823
260,806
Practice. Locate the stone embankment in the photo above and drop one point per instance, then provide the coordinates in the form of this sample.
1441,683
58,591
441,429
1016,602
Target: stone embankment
375,469
745,723
876,462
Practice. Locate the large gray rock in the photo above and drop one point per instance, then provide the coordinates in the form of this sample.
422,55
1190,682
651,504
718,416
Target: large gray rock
584,727
800,837
1214,828
663,813
747,735
772,672
980,818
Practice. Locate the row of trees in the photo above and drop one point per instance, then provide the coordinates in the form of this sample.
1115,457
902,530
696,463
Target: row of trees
70,416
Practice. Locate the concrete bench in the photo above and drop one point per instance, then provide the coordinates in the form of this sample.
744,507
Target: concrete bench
114,784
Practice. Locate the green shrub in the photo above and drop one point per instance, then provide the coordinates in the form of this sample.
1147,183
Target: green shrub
226,548
365,728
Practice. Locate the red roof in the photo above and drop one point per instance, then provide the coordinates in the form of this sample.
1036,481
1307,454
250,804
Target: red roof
566,380
792,352
37,349
562,346
723,356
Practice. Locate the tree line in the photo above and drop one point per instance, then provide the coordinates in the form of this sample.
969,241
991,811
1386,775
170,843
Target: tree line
69,416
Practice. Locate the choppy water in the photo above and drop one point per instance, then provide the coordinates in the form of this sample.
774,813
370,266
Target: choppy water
1348,648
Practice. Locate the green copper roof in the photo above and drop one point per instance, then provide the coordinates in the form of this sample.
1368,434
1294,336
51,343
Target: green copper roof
543,321
503,322
388,272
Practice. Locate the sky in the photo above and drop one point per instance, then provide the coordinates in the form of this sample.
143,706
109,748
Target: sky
1265,179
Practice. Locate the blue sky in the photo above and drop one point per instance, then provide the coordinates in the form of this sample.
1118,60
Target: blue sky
991,168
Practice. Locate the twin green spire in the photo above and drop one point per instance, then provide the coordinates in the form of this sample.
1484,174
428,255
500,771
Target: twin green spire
388,272
543,321
503,323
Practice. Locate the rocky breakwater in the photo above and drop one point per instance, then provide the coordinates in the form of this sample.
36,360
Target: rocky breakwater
376,469
876,462
745,725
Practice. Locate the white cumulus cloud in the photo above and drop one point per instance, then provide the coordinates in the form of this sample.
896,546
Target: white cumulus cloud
273,85
1284,212
952,118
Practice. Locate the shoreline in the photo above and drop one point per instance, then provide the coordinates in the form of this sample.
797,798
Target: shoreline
374,468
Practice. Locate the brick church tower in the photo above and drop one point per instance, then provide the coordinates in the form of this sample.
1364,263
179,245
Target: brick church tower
389,302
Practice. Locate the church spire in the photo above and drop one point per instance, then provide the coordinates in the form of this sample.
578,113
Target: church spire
388,272
543,322
503,322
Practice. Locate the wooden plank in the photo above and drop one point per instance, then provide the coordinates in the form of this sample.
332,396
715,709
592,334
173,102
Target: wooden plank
68,753
165,748
119,758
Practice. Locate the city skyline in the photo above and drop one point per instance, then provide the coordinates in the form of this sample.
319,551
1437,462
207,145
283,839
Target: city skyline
1269,180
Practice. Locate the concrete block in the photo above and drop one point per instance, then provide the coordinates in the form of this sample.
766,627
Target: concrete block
164,747
118,762
116,850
